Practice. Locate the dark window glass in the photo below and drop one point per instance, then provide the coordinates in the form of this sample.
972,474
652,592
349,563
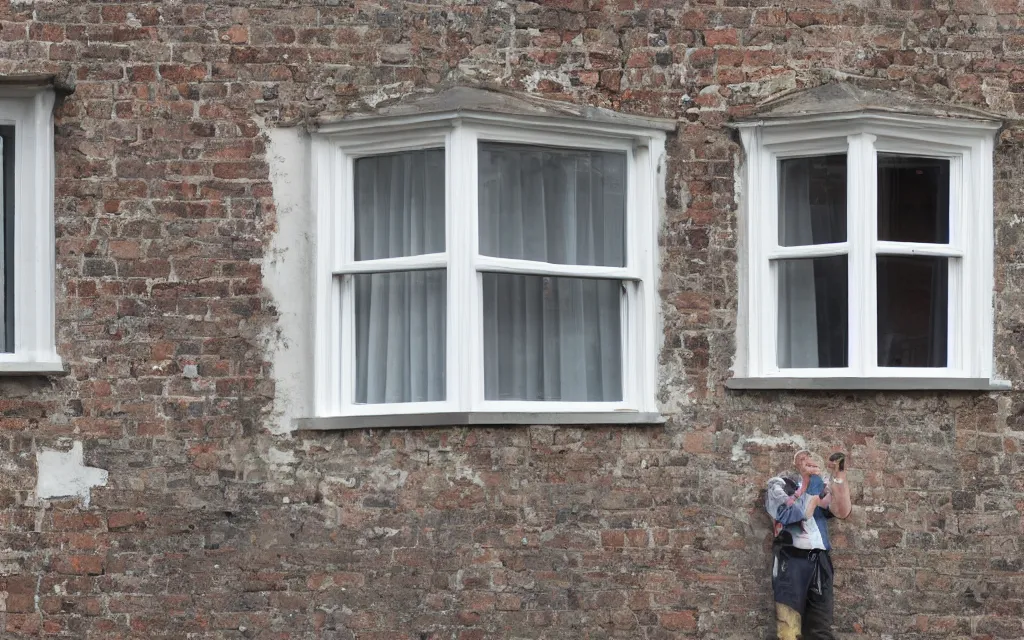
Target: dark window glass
7,239
812,200
812,328
913,199
913,298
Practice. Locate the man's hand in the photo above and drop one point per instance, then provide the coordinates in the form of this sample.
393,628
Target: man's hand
836,463
840,506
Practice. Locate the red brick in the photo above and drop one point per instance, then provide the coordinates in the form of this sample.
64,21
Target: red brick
78,565
678,620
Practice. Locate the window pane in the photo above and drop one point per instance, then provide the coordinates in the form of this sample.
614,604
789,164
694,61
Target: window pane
400,336
813,315
399,204
549,338
913,199
553,205
913,307
812,200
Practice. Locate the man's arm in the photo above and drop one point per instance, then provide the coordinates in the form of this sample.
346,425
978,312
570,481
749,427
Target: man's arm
788,509
841,505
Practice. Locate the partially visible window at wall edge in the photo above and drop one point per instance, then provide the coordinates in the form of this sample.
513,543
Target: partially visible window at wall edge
27,294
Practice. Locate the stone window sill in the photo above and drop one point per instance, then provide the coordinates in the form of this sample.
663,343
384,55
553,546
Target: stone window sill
31,367
406,421
868,384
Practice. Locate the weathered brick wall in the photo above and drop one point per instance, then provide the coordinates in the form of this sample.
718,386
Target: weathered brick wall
212,526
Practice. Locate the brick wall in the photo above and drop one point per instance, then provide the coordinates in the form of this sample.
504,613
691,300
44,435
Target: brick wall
213,525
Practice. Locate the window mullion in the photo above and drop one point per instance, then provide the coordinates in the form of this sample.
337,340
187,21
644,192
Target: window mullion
862,231
329,186
465,357
644,245
961,236
979,168
763,315
342,336
634,331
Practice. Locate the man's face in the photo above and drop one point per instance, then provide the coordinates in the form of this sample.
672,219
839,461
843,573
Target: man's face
806,465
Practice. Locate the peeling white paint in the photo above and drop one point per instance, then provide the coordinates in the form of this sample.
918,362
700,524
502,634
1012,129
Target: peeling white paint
385,93
388,479
63,474
280,456
739,453
464,471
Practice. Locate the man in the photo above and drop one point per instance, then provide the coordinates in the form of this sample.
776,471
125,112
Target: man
800,503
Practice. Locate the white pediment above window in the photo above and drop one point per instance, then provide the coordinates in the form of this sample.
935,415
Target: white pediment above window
844,101
494,105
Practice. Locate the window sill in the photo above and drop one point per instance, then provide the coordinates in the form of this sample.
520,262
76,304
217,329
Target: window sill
31,367
412,420
869,384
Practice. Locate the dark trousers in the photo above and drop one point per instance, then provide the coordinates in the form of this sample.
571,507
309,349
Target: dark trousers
802,583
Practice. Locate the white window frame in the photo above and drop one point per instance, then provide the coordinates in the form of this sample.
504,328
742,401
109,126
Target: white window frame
335,149
968,145
29,109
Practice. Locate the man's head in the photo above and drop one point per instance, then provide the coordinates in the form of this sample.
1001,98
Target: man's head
806,463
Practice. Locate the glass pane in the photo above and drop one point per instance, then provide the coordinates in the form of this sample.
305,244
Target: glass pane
549,338
400,336
813,314
553,205
913,307
399,204
812,200
913,199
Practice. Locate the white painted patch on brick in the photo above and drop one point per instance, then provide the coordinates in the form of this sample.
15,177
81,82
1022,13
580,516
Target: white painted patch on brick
63,474
280,456
739,453
287,274
388,479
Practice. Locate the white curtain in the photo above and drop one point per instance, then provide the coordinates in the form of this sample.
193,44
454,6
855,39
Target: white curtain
813,303
553,205
400,316
399,205
798,318
552,338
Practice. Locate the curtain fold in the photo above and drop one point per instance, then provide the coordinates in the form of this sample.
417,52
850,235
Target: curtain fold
798,316
400,316
399,205
552,338
552,205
